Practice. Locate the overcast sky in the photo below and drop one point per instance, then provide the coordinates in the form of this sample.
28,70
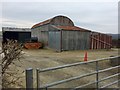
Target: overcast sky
97,16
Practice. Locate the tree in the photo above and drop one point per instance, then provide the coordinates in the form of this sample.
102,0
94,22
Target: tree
11,51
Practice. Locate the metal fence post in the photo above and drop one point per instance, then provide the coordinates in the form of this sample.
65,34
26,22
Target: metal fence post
29,78
37,78
119,72
97,77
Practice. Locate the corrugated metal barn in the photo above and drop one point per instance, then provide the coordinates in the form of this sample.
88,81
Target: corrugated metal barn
60,33
20,34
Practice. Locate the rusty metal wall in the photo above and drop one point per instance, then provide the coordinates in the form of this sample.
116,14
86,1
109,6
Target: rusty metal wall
54,41
69,39
75,40
62,21
72,40
61,40
100,41
41,33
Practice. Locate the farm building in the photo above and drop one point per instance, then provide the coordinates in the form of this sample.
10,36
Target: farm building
60,33
19,34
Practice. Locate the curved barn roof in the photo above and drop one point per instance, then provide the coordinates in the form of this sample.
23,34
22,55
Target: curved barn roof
49,21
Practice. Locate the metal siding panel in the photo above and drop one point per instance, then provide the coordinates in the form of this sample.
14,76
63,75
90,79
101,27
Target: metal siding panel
79,40
82,41
70,40
84,38
50,41
54,41
67,40
42,37
88,40
87,43
77,47
58,40
75,40
63,41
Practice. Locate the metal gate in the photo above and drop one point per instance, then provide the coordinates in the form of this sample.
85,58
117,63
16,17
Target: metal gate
29,74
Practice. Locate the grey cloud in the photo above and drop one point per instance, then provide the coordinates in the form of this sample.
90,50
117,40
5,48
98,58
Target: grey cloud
92,15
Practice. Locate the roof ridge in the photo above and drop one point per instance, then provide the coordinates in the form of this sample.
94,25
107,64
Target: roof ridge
73,28
42,23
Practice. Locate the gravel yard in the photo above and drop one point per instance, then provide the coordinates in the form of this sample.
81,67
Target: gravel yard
44,58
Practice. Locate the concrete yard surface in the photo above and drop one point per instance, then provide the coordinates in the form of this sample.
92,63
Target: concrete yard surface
45,58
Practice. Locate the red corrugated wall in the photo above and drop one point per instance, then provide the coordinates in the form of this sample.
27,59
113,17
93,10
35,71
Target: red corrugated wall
100,41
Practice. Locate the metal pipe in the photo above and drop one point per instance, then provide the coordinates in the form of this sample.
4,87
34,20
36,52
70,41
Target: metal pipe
103,79
110,84
100,71
75,64
96,82
37,78
97,77
78,77
29,79
84,85
67,80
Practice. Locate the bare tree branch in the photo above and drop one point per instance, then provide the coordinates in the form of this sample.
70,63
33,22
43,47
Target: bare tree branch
12,52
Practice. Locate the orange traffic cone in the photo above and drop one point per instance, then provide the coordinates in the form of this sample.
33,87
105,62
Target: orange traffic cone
85,57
